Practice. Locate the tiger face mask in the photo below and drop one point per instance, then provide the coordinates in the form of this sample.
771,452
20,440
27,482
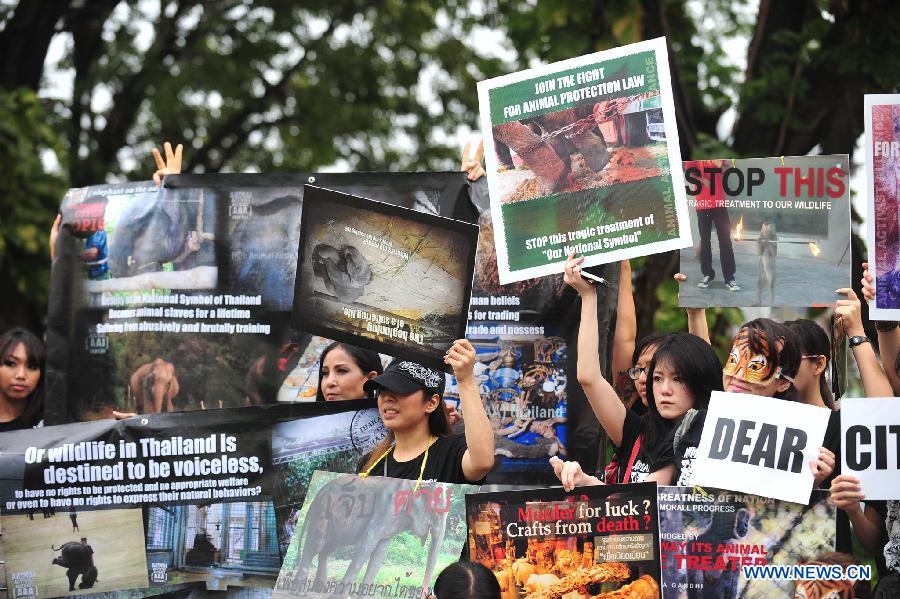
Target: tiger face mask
756,368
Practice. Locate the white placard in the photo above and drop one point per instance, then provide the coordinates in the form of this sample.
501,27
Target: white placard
582,155
760,445
870,444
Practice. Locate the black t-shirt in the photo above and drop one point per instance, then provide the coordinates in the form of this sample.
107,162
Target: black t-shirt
15,425
680,449
444,463
632,429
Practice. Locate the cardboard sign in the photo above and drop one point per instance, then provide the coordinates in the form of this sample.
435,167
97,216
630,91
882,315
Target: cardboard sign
778,227
882,191
760,445
551,543
380,276
870,432
580,157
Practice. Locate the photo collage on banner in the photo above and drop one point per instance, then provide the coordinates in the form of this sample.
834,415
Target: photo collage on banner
778,227
582,155
189,304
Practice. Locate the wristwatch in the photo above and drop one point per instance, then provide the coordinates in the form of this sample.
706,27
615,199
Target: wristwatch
857,340
886,326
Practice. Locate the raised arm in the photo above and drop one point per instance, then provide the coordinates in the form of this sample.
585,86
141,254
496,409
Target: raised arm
479,457
626,322
697,324
607,406
888,336
875,381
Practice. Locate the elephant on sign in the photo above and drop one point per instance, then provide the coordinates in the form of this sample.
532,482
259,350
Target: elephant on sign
350,511
161,227
78,559
154,387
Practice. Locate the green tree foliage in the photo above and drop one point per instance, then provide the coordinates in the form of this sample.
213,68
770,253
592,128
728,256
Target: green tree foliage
28,200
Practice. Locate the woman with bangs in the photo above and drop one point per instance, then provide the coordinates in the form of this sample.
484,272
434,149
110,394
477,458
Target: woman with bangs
681,375
764,360
22,357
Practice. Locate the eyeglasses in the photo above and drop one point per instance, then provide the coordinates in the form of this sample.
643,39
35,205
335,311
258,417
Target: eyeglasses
635,372
813,357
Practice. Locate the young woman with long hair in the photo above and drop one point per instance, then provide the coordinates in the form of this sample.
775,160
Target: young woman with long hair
22,357
681,375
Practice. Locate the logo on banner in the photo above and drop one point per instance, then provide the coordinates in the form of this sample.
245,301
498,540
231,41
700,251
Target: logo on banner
159,572
240,208
96,343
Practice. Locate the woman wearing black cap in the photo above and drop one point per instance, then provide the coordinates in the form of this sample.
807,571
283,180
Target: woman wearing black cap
419,445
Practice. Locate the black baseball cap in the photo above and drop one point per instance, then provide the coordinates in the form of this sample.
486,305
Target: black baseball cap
403,376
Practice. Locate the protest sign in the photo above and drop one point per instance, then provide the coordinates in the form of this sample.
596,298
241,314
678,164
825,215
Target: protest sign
383,277
760,445
191,308
708,535
882,228
870,433
366,537
547,543
580,156
781,229
168,499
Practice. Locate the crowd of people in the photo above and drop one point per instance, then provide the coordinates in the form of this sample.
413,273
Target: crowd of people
655,433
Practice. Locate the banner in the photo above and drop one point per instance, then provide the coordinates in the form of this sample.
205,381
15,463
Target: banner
760,445
549,543
372,536
778,227
167,499
708,535
870,433
580,158
383,277
180,298
882,227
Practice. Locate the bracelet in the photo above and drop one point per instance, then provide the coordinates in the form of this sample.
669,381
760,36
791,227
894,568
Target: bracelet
886,326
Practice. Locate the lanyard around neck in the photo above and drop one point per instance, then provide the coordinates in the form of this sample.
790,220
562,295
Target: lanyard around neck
431,440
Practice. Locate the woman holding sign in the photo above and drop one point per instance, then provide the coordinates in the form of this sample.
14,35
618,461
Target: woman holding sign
419,445
681,375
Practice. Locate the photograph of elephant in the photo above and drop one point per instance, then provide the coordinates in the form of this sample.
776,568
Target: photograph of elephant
150,372
333,442
135,237
382,277
594,542
220,544
733,529
767,232
356,534
74,552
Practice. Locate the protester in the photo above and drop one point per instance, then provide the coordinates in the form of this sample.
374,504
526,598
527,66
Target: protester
344,369
419,445
683,372
466,580
877,528
21,380
849,311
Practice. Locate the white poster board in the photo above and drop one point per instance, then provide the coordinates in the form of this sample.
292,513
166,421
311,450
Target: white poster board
870,437
582,155
760,445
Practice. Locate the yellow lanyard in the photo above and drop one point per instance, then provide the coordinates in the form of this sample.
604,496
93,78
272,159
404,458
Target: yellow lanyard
431,440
